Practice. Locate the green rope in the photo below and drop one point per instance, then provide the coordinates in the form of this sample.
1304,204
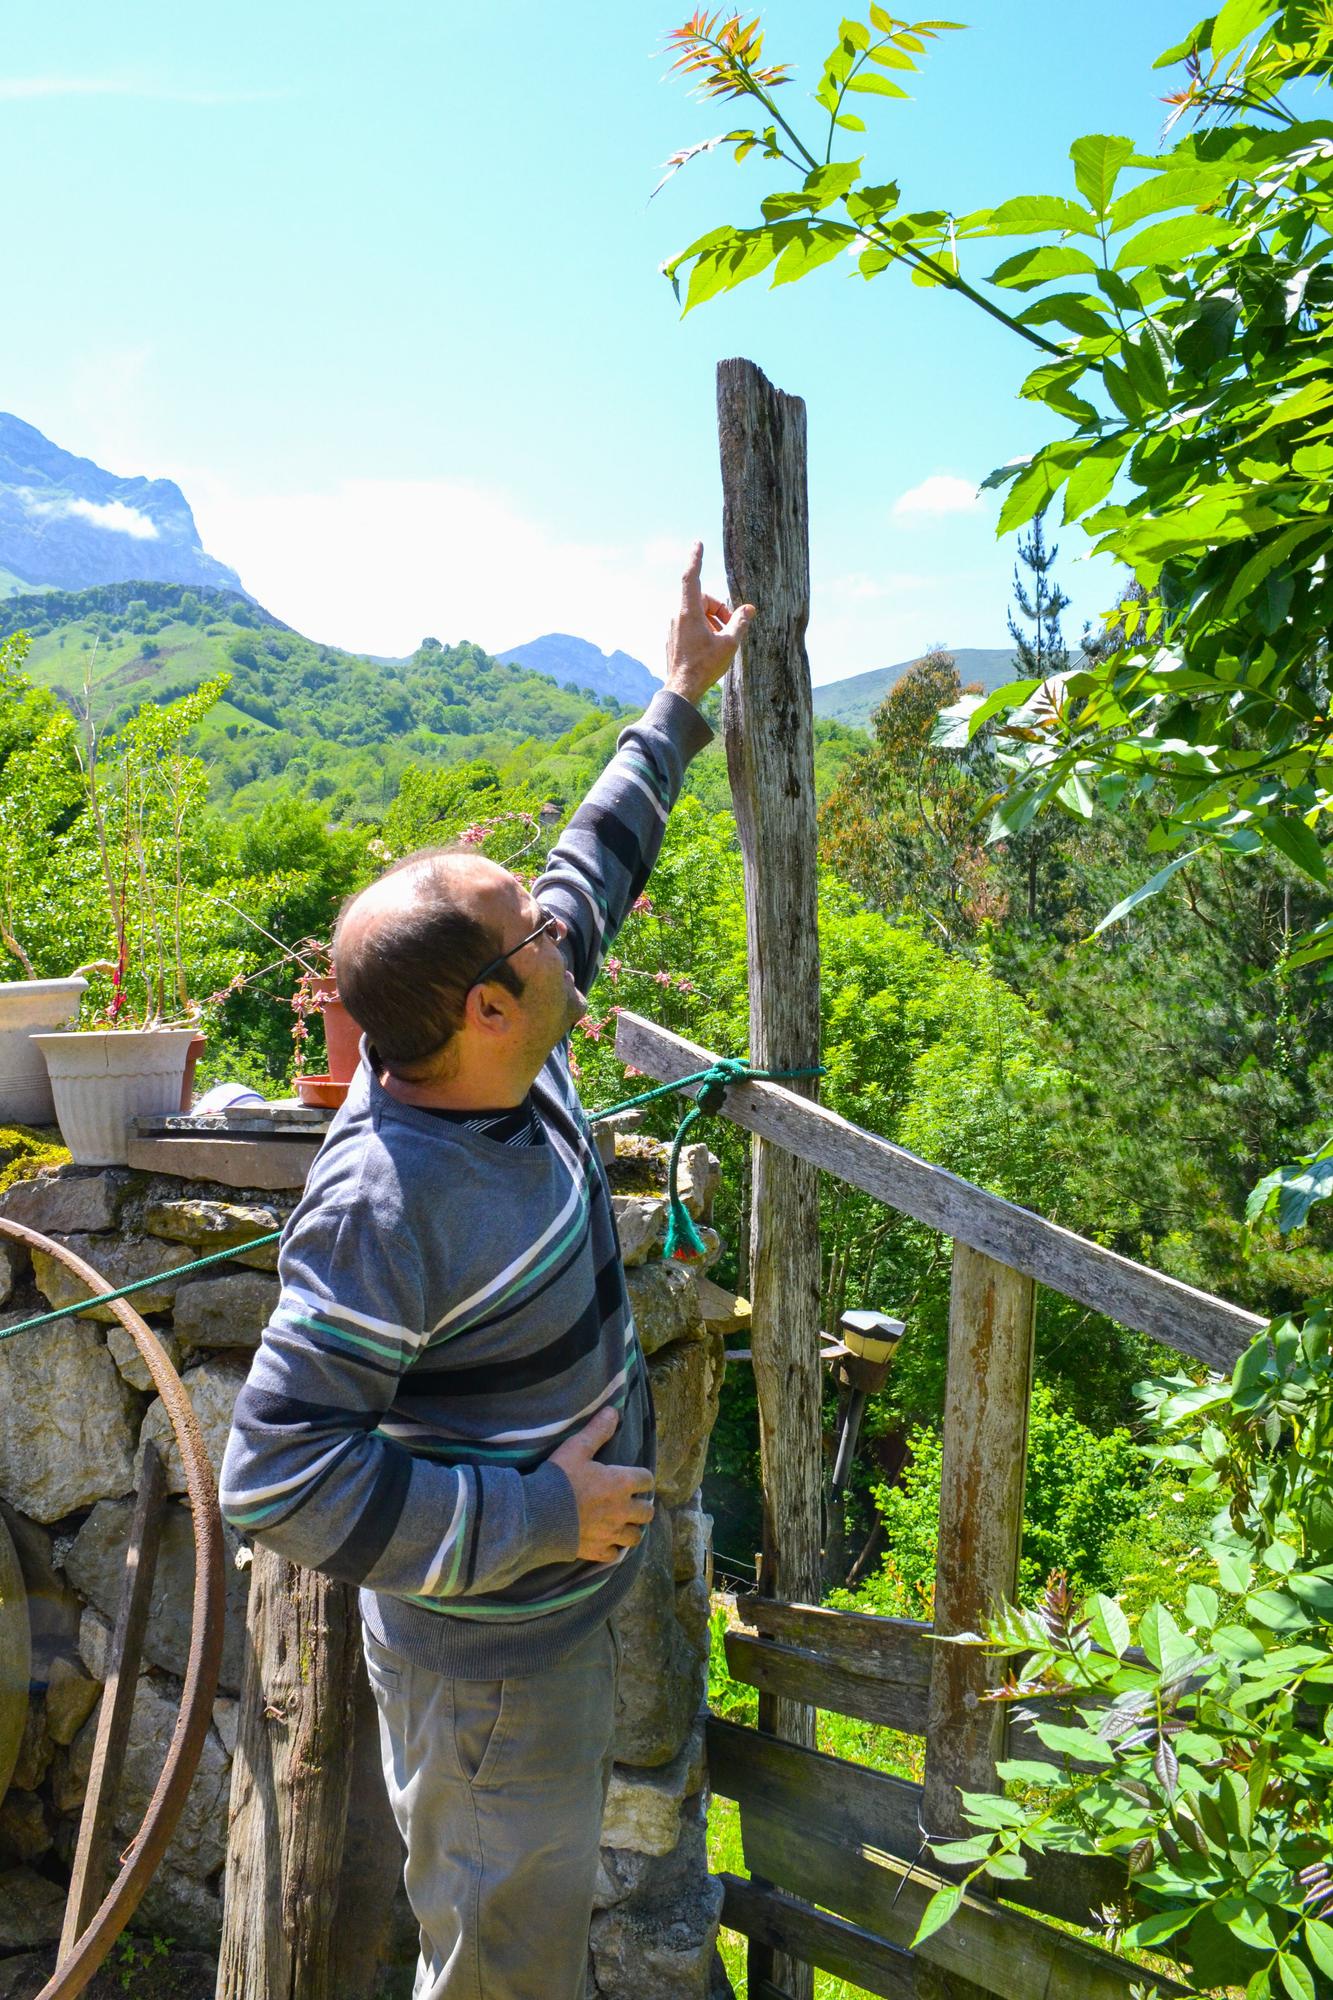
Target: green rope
139,1285
683,1240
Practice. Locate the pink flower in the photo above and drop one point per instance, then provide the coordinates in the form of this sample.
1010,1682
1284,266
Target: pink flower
473,836
684,986
662,978
641,907
612,969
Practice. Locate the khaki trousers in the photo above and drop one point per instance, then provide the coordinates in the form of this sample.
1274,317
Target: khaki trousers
498,1789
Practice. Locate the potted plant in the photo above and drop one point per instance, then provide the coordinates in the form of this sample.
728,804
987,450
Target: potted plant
316,991
131,1056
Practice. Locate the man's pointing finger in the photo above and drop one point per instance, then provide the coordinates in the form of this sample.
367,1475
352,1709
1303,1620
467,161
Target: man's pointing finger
691,595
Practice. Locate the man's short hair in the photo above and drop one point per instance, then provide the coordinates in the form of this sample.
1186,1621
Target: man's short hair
405,980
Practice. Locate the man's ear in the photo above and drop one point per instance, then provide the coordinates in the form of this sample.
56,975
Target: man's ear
489,1008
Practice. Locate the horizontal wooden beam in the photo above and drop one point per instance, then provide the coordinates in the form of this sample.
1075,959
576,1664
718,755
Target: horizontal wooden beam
828,1837
801,1931
799,1675
1194,1322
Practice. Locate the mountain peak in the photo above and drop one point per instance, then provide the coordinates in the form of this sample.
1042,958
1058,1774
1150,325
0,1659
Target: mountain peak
67,524
575,662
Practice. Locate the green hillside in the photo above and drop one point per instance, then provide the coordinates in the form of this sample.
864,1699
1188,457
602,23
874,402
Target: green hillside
854,701
297,715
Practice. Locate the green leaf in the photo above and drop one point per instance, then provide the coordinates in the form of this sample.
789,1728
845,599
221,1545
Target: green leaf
1314,1591
1037,484
1152,1930
870,85
1034,267
1293,1189
1237,21
1083,1744
1028,214
962,1853
1082,315
1319,1942
1277,1609
831,182
1152,887
1172,242
1097,160
1122,392
1201,1605
1110,1627
1179,187
937,1913
1300,844
1295,1976
1162,1639
1094,475
810,247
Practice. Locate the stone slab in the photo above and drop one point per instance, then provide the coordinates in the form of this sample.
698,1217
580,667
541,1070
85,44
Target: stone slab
95,1565
212,1387
31,1910
665,1304
121,1260
228,1310
238,1163
644,1808
660,1685
67,1199
686,1384
210,1226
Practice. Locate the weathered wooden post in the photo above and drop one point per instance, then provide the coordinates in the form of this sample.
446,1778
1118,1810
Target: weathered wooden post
768,725
290,1785
986,1399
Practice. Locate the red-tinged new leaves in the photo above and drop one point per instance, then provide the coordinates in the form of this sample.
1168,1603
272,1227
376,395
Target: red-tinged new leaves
723,52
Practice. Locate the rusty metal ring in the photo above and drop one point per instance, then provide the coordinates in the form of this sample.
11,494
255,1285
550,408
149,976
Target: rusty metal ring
141,1857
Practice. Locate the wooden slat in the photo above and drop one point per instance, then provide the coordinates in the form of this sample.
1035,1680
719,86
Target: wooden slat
827,1835
88,1876
801,1931
983,1463
874,1809
792,1672
1194,1322
887,1649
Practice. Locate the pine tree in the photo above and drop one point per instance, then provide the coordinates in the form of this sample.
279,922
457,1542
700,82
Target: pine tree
1043,651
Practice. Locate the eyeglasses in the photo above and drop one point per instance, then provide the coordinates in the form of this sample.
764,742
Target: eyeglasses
549,927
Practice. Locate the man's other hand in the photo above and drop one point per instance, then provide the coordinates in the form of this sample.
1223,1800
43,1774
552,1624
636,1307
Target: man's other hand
704,635
614,1501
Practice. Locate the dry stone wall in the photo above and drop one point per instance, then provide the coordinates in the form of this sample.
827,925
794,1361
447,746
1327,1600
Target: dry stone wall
77,1406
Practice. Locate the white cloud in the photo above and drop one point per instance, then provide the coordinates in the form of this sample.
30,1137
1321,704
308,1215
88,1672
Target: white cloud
375,564
942,493
113,515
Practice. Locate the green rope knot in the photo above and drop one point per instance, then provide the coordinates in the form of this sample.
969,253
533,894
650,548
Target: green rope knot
684,1244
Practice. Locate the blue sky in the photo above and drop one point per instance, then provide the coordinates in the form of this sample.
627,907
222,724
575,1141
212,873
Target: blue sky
379,287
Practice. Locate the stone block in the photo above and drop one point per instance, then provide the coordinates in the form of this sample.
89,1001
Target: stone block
212,1387
644,1809
654,1878
133,1368
693,1609
665,1305
227,1311
666,1950
227,1722
53,1608
65,1434
209,1226
71,1697
176,1906
121,1260
13,1258
25,1832
199,1845
95,1565
698,1178
640,1226
691,1541
724,1311
94,1643
35,1751
66,1199
32,1910
686,1383
659,1688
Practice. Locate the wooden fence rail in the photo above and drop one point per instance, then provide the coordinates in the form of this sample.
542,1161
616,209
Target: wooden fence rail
822,1835
1211,1329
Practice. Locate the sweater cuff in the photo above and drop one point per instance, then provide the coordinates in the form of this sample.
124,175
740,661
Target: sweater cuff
552,1516
679,720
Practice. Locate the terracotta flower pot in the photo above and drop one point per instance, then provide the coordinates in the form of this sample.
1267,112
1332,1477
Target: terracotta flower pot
192,1055
27,1006
103,1079
342,1034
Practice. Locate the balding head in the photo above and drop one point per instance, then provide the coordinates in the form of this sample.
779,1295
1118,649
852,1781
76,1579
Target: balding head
407,948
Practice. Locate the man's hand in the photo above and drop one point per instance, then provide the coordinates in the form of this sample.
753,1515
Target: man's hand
614,1501
704,635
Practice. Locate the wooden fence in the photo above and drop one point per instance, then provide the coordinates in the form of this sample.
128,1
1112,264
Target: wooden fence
839,1868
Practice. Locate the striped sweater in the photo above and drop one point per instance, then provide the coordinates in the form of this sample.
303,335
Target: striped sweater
452,1309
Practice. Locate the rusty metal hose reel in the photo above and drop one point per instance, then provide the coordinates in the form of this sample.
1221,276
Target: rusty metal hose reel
145,1851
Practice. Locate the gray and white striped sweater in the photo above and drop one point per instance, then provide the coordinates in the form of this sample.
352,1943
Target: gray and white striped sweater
452,1310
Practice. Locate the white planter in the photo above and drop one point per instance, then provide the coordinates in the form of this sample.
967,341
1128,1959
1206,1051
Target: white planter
27,1006
103,1079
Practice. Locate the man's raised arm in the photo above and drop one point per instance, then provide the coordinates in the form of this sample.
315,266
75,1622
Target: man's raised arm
605,855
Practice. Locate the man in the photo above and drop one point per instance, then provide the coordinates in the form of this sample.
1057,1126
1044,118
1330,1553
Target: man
449,1406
